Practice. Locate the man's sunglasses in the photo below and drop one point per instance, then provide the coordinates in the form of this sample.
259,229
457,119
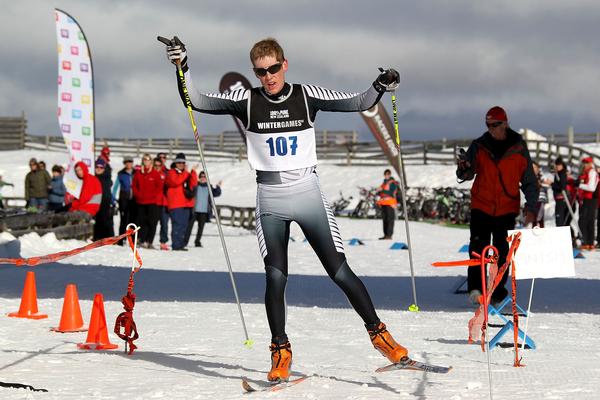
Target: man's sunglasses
494,124
273,69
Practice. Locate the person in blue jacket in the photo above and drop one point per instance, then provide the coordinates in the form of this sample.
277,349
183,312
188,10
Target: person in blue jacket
203,207
56,190
123,185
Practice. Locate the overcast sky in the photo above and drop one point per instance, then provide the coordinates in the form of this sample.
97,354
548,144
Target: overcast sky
539,59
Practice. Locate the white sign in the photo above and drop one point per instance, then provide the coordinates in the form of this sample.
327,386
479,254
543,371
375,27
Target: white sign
544,253
75,96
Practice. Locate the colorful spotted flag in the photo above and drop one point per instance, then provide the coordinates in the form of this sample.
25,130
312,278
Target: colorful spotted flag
75,96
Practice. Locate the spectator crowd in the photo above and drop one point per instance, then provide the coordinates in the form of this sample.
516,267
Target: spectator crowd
147,194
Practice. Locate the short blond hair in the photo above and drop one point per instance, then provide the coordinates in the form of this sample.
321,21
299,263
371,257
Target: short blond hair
266,47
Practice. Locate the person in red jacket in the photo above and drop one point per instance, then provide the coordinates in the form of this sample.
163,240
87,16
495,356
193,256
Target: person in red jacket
598,211
180,199
588,202
147,188
388,191
91,191
500,163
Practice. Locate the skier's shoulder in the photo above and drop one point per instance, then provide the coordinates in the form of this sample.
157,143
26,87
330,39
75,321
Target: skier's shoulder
322,93
236,95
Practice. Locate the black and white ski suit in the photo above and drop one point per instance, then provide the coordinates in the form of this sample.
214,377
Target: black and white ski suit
282,149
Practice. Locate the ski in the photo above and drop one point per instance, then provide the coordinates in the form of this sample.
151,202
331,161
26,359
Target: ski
274,387
410,364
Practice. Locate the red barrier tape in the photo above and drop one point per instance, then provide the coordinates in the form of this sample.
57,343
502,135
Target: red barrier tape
125,319
33,261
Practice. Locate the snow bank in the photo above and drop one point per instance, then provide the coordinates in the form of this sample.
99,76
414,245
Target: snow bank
10,247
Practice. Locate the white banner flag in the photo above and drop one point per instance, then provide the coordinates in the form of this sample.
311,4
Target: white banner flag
75,96
544,253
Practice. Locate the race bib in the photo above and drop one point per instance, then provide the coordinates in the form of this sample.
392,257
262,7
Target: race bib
282,151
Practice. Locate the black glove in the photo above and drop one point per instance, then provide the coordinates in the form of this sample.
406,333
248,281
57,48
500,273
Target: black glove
176,51
461,160
387,81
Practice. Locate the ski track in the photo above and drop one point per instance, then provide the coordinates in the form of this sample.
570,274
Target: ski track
191,337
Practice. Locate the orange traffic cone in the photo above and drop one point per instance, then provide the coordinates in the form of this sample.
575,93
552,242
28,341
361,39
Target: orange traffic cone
70,319
29,308
97,338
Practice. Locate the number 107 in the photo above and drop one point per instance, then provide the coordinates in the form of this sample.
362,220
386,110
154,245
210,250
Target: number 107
279,145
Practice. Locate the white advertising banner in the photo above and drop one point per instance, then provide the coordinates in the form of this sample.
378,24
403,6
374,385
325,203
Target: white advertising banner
544,253
75,96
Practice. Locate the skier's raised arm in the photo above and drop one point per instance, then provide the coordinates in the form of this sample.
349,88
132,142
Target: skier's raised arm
233,103
322,99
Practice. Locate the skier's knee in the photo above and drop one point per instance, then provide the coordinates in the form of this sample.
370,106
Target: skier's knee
276,279
344,275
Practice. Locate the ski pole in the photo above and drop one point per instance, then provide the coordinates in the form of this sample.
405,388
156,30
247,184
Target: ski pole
487,251
528,315
248,342
568,203
414,306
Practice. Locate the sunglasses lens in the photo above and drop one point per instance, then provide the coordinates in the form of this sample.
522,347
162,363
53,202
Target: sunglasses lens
273,69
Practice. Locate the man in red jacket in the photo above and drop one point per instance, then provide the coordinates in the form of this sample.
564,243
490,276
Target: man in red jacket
91,191
147,187
500,162
180,199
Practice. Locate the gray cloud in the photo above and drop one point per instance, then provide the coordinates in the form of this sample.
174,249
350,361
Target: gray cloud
537,58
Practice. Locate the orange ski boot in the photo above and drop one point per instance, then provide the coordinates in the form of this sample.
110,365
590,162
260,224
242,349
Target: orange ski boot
281,362
385,343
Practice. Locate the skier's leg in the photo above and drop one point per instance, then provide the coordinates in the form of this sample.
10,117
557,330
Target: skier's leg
273,237
313,214
320,229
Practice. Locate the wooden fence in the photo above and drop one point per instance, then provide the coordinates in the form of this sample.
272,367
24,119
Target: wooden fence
12,132
227,145
571,137
242,217
77,225
340,148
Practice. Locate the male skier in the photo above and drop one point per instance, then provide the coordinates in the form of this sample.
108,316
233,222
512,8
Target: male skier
278,118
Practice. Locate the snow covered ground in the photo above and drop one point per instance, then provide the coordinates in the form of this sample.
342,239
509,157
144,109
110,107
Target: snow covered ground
191,336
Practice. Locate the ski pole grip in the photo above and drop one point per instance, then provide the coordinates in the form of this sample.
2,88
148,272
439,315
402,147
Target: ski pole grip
164,40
